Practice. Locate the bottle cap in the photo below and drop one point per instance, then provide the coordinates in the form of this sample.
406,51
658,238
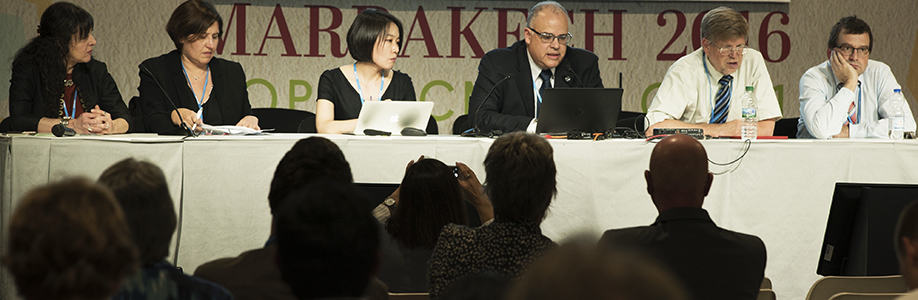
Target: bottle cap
897,90
749,88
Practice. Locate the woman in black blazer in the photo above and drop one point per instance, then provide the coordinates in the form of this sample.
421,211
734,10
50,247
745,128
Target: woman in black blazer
204,88
55,84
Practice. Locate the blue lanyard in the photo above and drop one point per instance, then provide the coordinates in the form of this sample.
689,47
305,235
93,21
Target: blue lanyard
704,62
73,113
203,90
360,91
538,93
858,106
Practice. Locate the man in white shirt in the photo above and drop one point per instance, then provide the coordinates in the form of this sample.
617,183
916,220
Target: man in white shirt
846,96
703,88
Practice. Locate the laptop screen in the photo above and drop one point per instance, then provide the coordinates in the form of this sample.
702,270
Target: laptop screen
579,109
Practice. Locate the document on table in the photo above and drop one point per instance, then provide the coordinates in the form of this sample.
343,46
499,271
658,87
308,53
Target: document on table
229,130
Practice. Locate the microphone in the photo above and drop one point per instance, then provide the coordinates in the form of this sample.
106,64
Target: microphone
475,131
569,69
60,130
186,131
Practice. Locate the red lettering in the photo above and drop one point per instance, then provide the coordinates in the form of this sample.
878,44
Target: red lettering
696,30
764,35
334,39
420,19
278,15
466,32
502,31
361,8
590,32
680,26
240,30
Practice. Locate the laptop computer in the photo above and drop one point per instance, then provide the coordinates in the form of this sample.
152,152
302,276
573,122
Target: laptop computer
583,109
393,116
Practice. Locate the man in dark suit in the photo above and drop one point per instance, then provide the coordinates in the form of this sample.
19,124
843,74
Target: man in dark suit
712,263
542,60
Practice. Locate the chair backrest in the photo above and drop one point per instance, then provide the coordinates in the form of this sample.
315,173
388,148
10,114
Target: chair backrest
826,287
432,127
786,127
631,119
6,125
137,115
766,283
409,296
461,124
282,120
308,125
866,296
766,294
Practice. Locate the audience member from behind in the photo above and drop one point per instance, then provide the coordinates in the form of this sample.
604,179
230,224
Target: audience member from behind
56,80
577,271
327,241
253,274
140,187
430,197
69,240
711,262
906,240
521,184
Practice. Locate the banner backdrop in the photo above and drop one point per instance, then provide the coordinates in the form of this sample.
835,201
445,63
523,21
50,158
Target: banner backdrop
284,45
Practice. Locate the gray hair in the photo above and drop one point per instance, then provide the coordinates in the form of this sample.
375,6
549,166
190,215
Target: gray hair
551,5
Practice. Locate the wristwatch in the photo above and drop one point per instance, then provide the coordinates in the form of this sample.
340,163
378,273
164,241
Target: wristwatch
389,202
65,121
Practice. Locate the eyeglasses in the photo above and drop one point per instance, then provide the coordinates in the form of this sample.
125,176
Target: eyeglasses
727,50
548,37
848,50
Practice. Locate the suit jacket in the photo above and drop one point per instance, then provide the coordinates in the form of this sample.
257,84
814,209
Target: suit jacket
711,262
229,99
96,87
511,106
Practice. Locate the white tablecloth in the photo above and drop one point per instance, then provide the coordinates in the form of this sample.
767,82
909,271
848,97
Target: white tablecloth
780,191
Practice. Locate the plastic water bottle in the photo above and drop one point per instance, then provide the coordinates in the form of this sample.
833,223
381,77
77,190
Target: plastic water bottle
896,115
750,126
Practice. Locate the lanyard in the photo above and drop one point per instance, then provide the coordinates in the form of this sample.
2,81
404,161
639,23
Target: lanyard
203,90
704,62
72,113
360,91
538,93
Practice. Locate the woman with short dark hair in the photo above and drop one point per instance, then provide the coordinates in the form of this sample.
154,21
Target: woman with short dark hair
374,41
55,80
206,89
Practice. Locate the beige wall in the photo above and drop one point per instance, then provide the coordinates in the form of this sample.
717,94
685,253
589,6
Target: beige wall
130,31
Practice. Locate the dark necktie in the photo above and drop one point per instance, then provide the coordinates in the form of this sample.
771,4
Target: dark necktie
546,84
722,106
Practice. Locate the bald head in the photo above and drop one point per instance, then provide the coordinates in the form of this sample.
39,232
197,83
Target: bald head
678,175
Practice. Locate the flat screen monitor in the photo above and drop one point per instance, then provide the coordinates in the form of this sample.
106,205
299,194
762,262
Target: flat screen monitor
859,233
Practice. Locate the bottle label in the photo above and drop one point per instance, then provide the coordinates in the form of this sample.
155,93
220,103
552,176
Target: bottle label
898,123
748,112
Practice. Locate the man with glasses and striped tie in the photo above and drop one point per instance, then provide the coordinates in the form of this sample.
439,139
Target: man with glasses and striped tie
846,96
702,89
542,60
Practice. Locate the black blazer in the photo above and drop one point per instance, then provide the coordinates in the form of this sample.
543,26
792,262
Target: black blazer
229,99
711,262
96,87
511,106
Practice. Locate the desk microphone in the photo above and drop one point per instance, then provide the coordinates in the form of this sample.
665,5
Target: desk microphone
60,130
575,75
186,131
476,131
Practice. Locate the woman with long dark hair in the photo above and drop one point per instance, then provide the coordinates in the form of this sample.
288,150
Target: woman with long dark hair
55,80
430,197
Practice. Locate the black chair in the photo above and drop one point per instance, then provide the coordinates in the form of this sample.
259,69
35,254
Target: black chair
631,119
432,127
282,120
137,114
6,125
461,124
308,125
786,127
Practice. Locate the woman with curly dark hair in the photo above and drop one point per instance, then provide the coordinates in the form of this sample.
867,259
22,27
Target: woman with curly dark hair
55,80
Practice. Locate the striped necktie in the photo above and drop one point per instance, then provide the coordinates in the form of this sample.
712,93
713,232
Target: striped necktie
722,106
546,84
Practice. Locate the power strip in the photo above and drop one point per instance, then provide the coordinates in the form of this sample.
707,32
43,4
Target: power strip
686,131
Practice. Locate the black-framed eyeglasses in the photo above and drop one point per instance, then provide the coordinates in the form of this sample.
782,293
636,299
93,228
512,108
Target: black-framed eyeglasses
848,50
727,50
548,37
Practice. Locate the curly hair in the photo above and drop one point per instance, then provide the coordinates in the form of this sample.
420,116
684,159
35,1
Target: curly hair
430,198
61,23
69,240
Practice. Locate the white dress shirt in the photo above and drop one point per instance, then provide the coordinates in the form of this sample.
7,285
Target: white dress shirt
823,111
691,83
